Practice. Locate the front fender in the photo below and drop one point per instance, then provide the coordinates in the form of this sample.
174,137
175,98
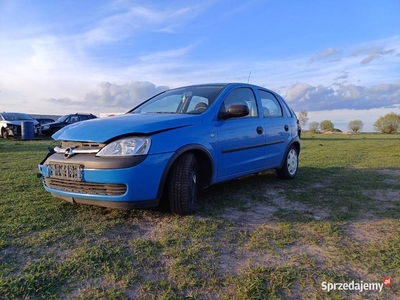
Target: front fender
206,167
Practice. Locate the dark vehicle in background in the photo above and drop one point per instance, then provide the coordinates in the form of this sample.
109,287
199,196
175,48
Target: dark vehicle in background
43,121
51,128
11,122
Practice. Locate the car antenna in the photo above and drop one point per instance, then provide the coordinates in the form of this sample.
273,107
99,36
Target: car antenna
248,79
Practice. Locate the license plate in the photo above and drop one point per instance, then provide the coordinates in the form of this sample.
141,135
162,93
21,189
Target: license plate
66,171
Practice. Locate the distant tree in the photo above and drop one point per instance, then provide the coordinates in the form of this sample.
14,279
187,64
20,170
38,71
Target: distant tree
355,125
389,123
326,125
303,118
313,127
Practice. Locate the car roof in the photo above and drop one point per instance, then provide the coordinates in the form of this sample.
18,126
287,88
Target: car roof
224,85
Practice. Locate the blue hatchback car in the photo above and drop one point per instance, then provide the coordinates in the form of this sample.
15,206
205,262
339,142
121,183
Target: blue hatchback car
172,145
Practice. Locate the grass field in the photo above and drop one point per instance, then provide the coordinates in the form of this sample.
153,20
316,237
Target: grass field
253,238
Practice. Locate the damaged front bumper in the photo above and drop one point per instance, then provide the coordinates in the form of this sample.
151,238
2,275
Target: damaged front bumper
109,182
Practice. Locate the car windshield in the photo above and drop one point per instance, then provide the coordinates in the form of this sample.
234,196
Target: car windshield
16,116
187,100
62,119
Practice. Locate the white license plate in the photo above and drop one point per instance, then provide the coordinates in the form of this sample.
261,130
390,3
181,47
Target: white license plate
66,171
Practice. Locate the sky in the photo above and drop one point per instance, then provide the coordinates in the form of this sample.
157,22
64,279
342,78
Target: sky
339,60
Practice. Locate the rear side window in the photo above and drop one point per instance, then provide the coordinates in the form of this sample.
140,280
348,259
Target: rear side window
73,119
270,105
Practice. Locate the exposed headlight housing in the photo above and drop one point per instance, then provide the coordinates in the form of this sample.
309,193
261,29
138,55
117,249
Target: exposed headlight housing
45,127
126,147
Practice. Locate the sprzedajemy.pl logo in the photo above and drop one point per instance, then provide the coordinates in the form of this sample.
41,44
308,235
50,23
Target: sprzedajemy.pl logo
356,286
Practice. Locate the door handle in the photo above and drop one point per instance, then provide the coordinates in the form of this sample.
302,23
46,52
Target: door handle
260,130
286,127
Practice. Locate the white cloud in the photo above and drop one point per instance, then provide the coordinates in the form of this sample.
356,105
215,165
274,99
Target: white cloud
110,97
342,96
298,91
329,52
129,20
166,55
71,68
372,53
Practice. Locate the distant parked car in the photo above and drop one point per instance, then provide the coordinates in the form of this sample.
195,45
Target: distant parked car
43,121
172,145
51,128
10,123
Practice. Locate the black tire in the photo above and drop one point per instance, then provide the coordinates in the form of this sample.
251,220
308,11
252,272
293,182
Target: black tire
4,133
290,164
182,185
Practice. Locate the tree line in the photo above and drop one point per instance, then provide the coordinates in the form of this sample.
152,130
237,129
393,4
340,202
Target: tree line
388,123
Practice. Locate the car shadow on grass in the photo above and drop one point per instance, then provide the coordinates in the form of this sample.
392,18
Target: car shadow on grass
315,194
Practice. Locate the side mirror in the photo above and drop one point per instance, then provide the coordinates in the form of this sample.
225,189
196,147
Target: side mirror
235,111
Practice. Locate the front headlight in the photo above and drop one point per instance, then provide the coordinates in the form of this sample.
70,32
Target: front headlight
45,127
127,147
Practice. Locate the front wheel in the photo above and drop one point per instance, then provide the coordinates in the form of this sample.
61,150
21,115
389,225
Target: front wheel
4,133
182,185
290,165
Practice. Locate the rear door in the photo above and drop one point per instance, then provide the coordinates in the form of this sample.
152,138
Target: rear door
240,146
277,128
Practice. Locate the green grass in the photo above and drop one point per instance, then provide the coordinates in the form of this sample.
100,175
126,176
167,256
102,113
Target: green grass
253,238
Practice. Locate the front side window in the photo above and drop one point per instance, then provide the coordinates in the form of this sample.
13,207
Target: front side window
271,106
63,119
243,96
187,100
198,103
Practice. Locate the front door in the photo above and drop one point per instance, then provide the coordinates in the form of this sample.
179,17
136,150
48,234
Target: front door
241,140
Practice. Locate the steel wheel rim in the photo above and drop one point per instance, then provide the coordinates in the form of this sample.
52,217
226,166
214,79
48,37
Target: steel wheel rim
292,162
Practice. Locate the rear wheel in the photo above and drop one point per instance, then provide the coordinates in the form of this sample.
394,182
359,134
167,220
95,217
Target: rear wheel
290,165
182,185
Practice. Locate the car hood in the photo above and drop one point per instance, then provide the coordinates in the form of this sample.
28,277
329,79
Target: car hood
101,130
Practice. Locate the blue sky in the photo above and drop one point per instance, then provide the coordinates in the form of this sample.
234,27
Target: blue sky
339,60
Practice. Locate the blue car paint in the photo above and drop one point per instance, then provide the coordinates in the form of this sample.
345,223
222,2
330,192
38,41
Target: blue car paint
122,125
234,146
143,185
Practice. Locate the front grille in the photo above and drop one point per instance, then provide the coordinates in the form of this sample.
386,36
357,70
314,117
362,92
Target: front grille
81,145
85,187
